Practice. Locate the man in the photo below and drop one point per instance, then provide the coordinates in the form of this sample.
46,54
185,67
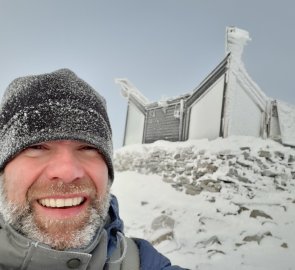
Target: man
56,172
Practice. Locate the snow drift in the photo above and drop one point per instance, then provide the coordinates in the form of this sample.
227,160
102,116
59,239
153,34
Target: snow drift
223,204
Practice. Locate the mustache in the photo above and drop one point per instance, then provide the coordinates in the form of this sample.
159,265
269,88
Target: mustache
59,188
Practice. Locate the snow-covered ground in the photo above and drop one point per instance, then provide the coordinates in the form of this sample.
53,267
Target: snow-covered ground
242,211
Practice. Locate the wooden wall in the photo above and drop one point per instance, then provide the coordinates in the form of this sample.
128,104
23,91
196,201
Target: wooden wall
162,124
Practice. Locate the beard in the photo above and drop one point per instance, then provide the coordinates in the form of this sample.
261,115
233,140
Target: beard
59,234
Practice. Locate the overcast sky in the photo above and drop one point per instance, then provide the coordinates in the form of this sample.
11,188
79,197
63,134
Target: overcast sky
164,47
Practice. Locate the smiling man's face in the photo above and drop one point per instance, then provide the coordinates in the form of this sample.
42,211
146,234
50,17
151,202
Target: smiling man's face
57,193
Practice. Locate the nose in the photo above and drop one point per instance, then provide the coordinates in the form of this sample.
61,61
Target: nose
64,166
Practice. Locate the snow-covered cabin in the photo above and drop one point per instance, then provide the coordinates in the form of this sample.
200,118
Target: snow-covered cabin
227,102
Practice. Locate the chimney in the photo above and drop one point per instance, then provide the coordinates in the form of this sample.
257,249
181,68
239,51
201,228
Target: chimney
236,39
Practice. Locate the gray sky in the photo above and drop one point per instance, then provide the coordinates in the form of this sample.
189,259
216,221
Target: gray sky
164,47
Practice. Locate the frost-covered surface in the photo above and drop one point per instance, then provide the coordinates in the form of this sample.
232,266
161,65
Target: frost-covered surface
127,89
240,80
240,214
236,41
286,113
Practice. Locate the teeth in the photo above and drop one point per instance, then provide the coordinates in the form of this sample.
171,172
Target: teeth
57,203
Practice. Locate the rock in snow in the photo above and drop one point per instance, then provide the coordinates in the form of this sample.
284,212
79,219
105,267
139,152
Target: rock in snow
222,204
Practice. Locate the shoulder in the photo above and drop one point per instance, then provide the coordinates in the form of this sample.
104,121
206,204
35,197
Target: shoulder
150,258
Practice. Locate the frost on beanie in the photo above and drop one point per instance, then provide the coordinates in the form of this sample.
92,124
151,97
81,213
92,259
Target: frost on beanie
53,106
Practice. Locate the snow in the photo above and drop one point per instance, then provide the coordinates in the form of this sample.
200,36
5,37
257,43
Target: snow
127,89
239,81
134,126
213,230
236,40
286,113
210,105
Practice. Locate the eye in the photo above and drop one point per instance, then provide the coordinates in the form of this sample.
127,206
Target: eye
34,150
36,147
89,150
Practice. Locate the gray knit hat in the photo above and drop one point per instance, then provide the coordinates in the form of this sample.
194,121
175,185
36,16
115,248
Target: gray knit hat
53,106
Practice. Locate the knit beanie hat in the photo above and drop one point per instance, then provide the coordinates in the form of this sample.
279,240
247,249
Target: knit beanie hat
53,106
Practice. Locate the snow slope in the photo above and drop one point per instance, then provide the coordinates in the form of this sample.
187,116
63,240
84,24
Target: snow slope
241,211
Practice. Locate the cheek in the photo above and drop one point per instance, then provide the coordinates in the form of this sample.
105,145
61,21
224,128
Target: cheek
17,183
100,177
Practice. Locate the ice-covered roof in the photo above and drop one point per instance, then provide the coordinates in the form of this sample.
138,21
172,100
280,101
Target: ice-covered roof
127,89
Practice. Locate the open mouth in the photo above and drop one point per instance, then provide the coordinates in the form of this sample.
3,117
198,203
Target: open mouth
62,203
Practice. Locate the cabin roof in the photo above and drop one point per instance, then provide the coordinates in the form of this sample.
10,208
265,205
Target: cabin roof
213,76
